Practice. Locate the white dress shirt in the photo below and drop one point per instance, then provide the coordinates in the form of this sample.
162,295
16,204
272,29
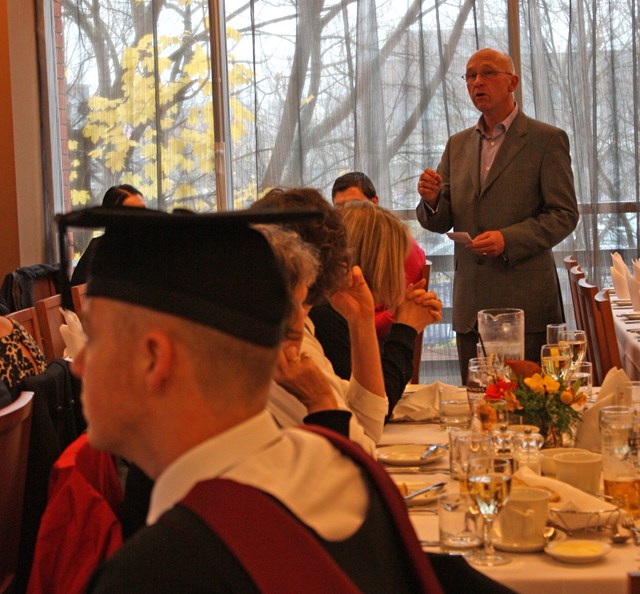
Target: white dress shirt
302,470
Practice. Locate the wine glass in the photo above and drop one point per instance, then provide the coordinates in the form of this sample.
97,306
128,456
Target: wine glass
555,360
553,330
489,484
576,342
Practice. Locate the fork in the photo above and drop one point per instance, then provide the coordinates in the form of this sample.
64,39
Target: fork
629,523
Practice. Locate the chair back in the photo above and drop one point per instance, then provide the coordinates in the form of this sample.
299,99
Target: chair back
50,319
603,305
633,582
417,349
15,427
78,294
575,274
25,286
28,319
595,330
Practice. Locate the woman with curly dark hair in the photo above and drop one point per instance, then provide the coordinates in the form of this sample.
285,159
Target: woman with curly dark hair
346,289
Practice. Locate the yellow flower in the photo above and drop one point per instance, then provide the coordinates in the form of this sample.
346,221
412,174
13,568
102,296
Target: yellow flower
550,384
567,397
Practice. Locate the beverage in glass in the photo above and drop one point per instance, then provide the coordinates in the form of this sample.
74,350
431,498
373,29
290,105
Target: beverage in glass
621,475
489,487
576,342
552,332
555,360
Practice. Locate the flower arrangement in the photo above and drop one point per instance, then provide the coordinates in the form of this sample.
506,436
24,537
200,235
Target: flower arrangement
542,400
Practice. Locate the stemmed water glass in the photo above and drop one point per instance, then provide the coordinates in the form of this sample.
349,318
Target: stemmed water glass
489,484
555,360
576,342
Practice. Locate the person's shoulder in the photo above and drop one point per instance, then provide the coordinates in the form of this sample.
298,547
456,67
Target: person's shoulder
463,134
179,553
538,126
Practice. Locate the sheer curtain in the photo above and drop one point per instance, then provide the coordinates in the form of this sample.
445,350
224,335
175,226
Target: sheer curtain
317,88
580,72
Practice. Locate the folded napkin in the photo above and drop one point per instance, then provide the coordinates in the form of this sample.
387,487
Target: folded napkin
634,291
422,403
588,430
636,268
620,286
72,333
618,263
570,498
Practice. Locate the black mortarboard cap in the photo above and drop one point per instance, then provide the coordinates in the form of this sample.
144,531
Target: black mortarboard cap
212,269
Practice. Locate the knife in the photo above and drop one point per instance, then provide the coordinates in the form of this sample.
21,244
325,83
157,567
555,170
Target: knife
435,487
430,450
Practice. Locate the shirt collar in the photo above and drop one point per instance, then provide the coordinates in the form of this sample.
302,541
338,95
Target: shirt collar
504,125
210,459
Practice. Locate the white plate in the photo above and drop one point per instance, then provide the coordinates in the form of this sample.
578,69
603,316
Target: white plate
509,547
408,454
425,498
578,551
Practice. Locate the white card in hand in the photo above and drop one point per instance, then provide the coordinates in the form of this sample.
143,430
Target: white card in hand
459,236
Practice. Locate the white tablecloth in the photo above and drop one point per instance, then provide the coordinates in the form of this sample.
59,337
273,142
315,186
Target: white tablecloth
532,573
628,343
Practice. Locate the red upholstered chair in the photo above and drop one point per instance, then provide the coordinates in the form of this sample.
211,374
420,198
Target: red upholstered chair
417,352
15,427
80,527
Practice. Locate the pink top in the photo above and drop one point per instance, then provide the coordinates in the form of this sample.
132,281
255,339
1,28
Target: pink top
413,267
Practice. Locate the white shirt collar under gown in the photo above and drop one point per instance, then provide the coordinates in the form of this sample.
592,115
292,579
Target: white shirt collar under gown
300,469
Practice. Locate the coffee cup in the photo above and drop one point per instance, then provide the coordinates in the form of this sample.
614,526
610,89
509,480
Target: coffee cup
524,517
582,470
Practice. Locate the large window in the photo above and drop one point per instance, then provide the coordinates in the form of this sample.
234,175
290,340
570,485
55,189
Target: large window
315,88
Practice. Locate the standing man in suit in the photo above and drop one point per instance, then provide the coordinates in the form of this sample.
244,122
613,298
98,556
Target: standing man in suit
507,182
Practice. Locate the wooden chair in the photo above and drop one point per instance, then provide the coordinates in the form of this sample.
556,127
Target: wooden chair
50,319
15,428
633,582
28,319
602,342
78,294
575,274
417,351
603,305
569,263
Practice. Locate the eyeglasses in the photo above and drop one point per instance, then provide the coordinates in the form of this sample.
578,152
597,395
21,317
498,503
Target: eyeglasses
470,77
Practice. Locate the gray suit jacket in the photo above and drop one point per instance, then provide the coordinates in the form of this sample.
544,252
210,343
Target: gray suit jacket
529,197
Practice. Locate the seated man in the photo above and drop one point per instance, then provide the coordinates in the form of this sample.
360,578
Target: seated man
355,185
185,314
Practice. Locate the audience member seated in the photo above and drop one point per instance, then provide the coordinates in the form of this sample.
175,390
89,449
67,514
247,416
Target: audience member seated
379,243
115,196
363,394
20,356
237,505
357,186
296,374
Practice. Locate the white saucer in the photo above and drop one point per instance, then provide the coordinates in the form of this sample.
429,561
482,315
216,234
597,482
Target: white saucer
578,550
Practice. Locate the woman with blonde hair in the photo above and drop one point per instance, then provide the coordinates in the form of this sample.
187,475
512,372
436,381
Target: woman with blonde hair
379,243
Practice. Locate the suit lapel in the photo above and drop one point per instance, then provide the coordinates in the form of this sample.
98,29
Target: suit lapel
472,160
514,142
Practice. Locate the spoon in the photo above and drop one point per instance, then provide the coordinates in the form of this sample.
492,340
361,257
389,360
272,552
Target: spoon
617,537
421,491
430,450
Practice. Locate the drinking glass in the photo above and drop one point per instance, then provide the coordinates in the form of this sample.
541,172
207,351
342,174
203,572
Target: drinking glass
489,486
553,331
583,375
555,360
466,446
479,374
576,342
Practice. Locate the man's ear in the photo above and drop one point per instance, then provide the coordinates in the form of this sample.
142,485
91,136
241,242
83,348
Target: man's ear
159,358
375,199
